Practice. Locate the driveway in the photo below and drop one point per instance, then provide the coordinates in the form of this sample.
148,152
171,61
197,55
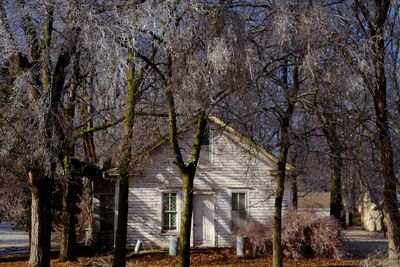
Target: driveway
12,241
362,244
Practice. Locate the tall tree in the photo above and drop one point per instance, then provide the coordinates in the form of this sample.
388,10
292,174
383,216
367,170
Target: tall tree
285,117
289,52
44,82
133,84
187,173
202,71
40,61
375,15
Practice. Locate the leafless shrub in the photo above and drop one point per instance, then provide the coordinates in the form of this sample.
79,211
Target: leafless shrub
304,235
327,239
258,238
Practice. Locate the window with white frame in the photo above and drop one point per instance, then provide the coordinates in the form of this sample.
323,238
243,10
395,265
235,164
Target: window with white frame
239,214
169,211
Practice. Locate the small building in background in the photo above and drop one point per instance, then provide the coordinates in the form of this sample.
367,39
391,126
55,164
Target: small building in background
316,202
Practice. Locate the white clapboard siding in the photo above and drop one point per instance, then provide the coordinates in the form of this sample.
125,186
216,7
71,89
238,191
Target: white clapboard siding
229,166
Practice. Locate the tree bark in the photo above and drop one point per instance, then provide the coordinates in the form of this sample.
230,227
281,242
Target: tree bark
294,193
187,173
88,187
68,216
122,220
41,187
279,192
328,124
69,196
285,118
336,202
126,157
376,26
390,203
183,258
90,156
336,165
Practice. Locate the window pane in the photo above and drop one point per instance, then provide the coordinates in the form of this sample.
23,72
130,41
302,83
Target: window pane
165,202
169,213
172,202
235,201
242,204
166,221
173,221
238,210
238,201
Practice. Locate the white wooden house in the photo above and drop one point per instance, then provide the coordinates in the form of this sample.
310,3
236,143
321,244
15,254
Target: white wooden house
234,183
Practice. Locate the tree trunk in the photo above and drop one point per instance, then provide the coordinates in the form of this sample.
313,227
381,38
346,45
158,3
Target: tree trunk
88,187
41,186
183,259
279,192
68,216
69,197
390,202
187,173
336,165
122,221
87,206
290,92
328,125
336,205
41,220
126,157
294,193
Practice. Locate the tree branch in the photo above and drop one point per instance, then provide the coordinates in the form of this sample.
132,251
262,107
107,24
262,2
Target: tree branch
127,4
98,128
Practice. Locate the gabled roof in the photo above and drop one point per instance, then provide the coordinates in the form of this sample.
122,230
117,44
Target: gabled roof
243,139
229,129
248,142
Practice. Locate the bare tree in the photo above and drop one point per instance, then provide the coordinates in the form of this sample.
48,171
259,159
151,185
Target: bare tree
45,86
375,16
124,169
198,54
45,68
290,51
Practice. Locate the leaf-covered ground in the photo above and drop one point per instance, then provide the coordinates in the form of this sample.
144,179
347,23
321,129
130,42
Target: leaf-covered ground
207,257
360,245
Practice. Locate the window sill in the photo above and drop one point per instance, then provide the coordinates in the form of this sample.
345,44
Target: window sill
170,232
